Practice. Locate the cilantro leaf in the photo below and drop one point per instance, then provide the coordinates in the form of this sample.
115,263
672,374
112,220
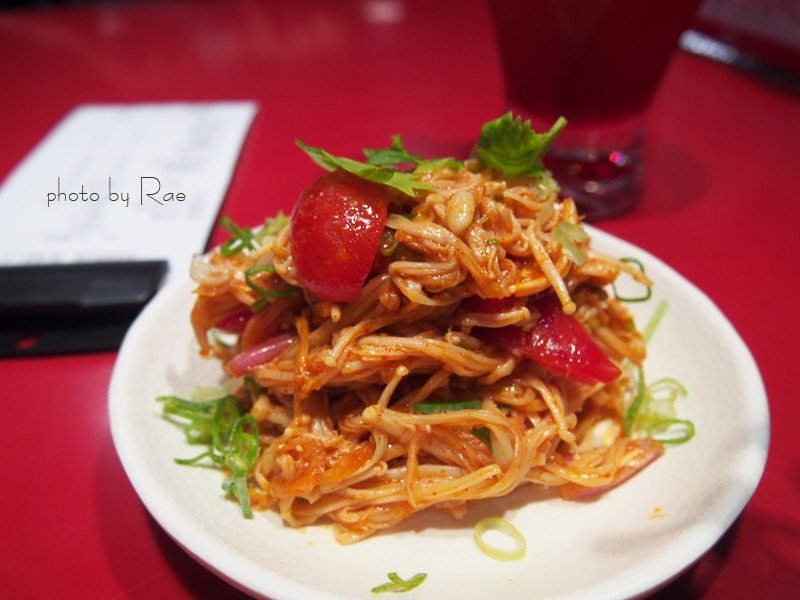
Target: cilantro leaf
393,155
407,183
512,147
437,164
397,154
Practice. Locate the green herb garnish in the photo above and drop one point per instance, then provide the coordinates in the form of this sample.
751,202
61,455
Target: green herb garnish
230,434
242,238
511,146
398,584
407,183
397,154
437,164
393,155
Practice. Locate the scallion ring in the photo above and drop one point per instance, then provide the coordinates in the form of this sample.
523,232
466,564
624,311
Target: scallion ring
647,294
659,431
504,526
671,388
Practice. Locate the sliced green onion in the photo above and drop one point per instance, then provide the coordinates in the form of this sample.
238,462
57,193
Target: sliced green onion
231,435
244,445
633,409
653,410
270,294
272,226
434,408
201,427
567,235
672,385
252,272
242,238
264,295
238,487
661,431
398,584
575,232
196,459
493,241
654,320
174,403
648,292
504,526
227,414
482,433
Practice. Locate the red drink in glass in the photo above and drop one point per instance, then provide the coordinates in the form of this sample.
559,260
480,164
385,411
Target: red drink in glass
596,62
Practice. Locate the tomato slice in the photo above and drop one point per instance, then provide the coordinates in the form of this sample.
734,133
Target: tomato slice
559,343
234,323
335,231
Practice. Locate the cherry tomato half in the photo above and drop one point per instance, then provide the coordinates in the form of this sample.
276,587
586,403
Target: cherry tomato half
335,230
558,342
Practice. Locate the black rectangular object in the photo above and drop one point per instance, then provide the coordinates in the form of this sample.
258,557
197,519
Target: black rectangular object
53,309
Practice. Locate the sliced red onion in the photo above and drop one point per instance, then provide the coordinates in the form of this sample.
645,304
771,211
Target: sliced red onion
260,354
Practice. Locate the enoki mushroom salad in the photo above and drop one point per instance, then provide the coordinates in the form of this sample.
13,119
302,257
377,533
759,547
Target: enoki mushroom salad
421,333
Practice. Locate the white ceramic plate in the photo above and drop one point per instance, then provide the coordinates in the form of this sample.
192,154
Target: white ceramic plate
612,547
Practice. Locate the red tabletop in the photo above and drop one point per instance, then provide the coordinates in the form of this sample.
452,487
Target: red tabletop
720,206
